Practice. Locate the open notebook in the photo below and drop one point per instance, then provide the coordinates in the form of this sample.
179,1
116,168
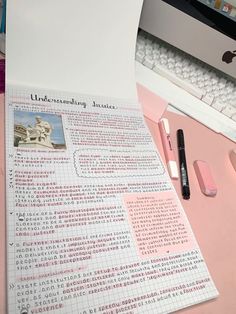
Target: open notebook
94,224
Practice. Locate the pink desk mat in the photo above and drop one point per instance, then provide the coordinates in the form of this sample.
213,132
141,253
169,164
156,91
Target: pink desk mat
213,220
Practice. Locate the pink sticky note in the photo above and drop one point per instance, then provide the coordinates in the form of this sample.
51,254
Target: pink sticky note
158,223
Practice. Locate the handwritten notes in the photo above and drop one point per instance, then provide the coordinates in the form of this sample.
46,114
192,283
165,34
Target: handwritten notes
93,222
158,224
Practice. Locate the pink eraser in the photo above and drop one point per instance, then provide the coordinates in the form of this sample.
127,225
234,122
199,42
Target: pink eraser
205,179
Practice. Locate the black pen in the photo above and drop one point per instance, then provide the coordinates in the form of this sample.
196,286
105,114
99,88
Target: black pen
183,165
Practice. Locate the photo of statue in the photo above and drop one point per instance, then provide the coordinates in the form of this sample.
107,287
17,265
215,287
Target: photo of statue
38,130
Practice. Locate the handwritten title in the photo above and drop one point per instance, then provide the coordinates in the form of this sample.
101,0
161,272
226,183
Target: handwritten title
71,101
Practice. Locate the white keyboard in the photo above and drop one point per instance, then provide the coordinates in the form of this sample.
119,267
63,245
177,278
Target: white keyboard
187,84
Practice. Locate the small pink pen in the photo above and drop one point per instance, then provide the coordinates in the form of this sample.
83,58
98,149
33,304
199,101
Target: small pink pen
168,150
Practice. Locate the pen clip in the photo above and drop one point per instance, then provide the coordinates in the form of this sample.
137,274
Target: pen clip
166,125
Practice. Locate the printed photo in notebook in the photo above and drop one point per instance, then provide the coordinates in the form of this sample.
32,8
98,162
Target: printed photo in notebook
94,224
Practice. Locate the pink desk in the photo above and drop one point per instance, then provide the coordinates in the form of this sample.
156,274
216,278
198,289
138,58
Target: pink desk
213,220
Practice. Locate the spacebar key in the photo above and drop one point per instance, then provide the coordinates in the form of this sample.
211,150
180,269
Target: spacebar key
195,91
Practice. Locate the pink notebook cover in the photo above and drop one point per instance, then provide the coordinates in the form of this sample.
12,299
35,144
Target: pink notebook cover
153,105
2,211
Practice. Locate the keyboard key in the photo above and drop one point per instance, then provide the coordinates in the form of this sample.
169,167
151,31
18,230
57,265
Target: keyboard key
218,105
208,99
140,56
149,62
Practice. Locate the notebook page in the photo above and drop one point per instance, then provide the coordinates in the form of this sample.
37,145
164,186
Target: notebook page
94,224
73,45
